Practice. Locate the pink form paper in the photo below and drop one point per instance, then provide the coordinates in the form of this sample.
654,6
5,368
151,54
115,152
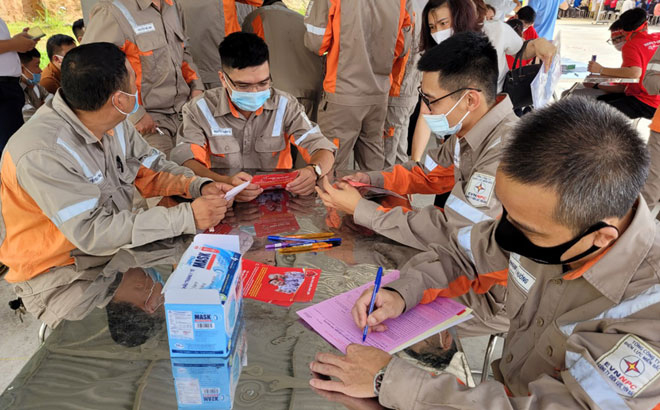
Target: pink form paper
333,321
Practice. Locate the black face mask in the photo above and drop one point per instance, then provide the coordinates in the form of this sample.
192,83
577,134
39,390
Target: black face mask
511,239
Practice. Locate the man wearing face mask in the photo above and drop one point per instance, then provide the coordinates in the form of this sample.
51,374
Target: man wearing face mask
630,36
68,179
248,124
459,99
35,94
56,47
576,248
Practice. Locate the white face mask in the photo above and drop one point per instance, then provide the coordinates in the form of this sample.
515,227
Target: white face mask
442,35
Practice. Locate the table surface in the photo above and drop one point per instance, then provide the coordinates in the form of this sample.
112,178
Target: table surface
80,367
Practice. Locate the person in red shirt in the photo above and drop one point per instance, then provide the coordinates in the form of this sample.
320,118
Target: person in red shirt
527,15
630,35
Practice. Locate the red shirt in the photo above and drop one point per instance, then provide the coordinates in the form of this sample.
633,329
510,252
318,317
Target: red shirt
529,34
637,53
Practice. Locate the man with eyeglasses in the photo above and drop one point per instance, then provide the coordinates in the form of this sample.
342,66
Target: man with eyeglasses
247,124
629,34
459,98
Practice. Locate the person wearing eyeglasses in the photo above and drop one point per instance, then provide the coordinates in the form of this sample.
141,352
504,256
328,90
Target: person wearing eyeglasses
630,36
459,98
247,123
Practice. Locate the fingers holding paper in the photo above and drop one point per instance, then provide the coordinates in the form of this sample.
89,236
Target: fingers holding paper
389,305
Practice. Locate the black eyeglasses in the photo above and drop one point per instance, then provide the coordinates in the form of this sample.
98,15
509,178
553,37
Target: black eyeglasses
247,87
428,103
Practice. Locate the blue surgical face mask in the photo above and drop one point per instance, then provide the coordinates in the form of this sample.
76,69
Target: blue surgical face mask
154,275
35,77
439,124
249,101
135,107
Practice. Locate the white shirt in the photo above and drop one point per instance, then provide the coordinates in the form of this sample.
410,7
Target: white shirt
506,41
627,5
10,64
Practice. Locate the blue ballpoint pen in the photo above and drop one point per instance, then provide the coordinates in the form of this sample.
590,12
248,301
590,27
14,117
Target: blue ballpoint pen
379,276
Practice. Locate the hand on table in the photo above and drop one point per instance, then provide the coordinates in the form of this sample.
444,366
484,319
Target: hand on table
389,305
355,371
146,125
360,177
594,67
304,183
251,192
217,189
343,198
208,211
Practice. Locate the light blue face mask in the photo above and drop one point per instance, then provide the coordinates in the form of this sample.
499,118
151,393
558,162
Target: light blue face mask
439,124
154,275
35,77
249,101
135,107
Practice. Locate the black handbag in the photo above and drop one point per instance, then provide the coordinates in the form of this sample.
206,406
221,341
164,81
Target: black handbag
519,79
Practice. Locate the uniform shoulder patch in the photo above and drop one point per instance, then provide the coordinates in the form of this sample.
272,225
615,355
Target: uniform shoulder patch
630,366
480,189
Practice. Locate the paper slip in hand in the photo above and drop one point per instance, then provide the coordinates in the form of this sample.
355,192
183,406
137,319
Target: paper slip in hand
371,191
274,181
332,319
236,190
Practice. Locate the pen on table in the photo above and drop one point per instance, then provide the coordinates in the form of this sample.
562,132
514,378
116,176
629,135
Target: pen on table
379,276
280,245
320,235
306,247
284,238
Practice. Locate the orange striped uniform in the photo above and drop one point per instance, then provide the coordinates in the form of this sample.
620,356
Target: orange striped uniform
64,192
217,135
156,46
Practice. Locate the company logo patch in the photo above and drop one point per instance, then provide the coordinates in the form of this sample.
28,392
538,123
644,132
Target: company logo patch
630,366
519,274
480,189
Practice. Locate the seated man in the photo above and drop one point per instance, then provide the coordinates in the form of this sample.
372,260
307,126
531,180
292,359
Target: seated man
578,250
56,47
248,124
35,94
459,86
630,36
78,28
68,180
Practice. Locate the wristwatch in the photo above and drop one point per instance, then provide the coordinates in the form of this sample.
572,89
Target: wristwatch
317,170
378,380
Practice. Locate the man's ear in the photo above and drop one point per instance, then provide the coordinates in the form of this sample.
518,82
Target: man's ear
605,236
474,100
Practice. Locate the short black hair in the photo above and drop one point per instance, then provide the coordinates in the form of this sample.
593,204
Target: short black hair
129,325
241,50
91,73
630,20
29,56
488,6
527,15
78,26
586,151
516,25
466,59
56,42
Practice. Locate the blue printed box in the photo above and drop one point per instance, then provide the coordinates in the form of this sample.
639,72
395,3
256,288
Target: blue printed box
209,383
203,298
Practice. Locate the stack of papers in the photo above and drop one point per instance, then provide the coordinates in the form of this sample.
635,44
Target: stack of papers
332,319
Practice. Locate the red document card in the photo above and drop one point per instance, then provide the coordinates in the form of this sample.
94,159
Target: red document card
274,181
277,284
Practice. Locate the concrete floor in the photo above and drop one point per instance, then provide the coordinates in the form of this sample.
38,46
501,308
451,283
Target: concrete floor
18,340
